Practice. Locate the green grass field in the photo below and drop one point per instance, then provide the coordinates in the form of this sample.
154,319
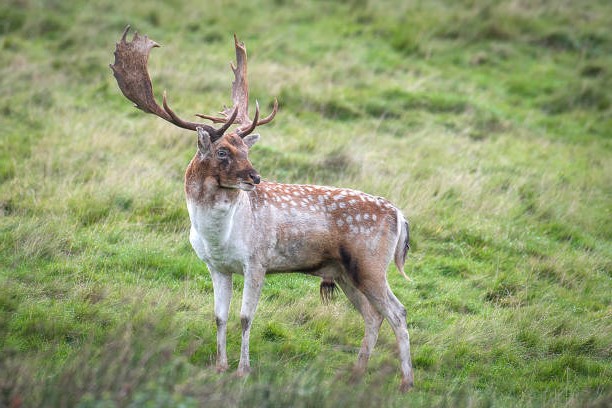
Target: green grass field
488,123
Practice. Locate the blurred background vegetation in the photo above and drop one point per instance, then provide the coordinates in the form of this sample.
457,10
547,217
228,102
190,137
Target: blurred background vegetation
489,123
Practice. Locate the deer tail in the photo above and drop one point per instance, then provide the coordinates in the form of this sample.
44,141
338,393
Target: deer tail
403,245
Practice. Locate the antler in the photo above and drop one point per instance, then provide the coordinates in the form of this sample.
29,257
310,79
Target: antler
240,97
130,70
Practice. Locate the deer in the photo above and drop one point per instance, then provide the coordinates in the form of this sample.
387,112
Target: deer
243,224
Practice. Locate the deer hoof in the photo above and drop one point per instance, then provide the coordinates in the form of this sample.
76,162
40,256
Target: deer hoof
356,375
243,372
406,385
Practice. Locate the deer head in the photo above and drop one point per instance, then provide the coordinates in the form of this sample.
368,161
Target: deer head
225,160
222,156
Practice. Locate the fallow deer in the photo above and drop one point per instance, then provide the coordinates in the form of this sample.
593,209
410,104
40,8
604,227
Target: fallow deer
245,225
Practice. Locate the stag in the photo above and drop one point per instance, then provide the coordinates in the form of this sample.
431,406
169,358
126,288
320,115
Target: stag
241,224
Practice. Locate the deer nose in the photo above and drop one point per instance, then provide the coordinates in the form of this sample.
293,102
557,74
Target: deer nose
255,177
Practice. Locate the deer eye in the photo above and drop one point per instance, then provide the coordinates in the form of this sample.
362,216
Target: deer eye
222,154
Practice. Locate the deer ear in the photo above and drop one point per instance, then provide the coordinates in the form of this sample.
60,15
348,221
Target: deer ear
204,143
251,139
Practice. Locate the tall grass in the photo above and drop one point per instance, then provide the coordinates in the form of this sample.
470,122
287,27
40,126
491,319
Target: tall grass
488,123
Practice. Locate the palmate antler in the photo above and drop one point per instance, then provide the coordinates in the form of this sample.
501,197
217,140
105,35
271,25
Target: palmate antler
240,97
130,70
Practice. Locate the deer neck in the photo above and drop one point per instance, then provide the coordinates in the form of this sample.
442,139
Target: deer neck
212,208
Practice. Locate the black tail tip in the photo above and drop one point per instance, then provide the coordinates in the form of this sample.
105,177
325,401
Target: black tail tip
327,291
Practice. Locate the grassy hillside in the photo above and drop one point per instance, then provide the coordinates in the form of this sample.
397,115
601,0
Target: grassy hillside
488,123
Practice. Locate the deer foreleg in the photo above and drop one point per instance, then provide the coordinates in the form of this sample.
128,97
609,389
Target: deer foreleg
253,283
222,286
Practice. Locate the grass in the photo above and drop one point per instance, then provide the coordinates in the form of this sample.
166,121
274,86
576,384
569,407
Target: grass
488,123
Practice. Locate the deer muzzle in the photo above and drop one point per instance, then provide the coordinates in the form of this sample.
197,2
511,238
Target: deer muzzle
249,179
255,177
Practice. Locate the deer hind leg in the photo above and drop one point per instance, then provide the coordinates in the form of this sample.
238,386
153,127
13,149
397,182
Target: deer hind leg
372,320
383,299
222,287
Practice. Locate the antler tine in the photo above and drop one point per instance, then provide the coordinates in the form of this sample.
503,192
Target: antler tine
213,119
130,70
253,125
228,123
271,116
183,123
